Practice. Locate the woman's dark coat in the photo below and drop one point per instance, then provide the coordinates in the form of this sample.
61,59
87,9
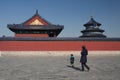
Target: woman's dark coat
84,54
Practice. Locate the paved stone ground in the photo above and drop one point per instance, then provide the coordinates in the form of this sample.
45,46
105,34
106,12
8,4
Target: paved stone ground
103,67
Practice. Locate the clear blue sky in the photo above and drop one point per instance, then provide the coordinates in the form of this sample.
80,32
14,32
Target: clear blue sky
70,13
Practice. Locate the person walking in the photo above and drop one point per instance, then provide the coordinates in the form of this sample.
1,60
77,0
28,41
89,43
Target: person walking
83,59
72,60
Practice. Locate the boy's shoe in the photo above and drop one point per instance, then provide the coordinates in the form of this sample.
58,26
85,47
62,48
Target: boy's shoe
72,65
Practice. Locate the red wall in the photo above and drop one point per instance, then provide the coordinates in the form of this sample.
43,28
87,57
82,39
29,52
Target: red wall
31,35
57,45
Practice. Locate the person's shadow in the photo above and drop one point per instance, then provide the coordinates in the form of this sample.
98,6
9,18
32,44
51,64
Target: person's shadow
73,67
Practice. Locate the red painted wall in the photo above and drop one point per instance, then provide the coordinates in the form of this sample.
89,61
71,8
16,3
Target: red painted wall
57,45
31,35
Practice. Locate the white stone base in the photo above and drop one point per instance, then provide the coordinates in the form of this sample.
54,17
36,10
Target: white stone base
55,53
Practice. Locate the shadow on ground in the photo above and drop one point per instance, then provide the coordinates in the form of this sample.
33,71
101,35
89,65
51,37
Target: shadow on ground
73,67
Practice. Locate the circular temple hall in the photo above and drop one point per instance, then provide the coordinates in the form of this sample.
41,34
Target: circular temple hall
92,29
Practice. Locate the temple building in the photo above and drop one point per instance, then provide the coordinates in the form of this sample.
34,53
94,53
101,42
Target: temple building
92,29
36,26
34,35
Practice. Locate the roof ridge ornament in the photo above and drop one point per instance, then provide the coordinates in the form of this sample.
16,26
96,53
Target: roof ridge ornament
36,11
91,16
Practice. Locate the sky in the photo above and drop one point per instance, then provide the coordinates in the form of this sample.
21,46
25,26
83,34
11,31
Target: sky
73,14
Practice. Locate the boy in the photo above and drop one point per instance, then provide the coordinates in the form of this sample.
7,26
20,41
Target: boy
72,60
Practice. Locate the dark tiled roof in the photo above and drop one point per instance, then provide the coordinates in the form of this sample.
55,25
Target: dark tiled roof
93,30
57,39
17,28
34,27
93,35
92,22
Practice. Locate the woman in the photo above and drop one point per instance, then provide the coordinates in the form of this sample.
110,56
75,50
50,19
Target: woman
83,59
